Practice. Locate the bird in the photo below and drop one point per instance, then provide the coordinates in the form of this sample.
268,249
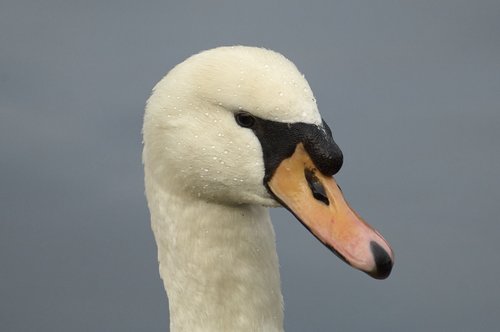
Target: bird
227,134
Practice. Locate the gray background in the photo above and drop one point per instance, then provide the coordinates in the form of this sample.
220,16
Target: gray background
411,90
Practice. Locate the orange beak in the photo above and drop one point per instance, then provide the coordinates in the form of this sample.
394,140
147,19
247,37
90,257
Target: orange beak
317,201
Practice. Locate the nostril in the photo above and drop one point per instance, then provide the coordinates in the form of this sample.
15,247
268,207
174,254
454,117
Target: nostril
316,187
383,261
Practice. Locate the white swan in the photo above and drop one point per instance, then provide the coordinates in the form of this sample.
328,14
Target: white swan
227,133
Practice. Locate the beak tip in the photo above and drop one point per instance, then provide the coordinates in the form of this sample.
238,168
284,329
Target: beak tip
383,262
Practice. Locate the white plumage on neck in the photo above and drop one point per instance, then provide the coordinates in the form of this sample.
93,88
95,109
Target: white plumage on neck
218,263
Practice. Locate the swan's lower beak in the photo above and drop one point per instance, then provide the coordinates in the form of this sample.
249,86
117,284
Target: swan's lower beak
317,201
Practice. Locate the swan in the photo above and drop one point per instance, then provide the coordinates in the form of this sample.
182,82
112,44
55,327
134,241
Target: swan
227,134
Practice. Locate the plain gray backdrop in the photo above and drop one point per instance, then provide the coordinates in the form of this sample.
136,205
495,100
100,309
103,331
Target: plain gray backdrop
411,90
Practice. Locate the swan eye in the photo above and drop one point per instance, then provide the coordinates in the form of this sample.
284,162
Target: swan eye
245,119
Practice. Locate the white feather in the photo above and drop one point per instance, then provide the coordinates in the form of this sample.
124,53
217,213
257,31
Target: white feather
204,185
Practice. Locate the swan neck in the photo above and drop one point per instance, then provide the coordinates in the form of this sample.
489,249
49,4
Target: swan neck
218,263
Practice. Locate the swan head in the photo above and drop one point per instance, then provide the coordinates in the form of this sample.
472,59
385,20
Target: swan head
240,125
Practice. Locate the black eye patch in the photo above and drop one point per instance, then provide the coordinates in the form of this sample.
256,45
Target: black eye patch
279,140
